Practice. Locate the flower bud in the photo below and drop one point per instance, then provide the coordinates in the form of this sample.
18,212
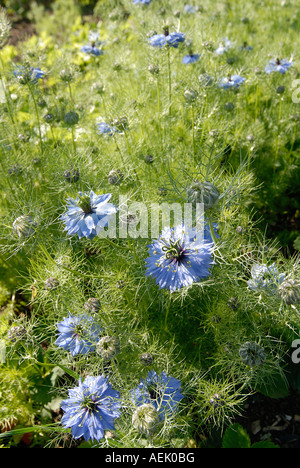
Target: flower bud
98,88
24,226
145,419
153,69
149,158
252,354
115,177
51,283
71,175
121,124
147,359
233,303
92,304
203,192
108,347
71,118
16,333
289,291
216,401
48,118
190,95
66,75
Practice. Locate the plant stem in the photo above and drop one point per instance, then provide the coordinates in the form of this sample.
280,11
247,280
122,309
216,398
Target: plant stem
193,130
158,109
169,80
37,116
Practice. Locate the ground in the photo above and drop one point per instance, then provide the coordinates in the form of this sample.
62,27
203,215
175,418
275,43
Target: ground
275,419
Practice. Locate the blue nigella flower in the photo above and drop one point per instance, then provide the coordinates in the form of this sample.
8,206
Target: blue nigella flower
91,408
246,47
191,58
179,257
78,334
224,46
26,74
144,2
88,214
91,50
233,81
277,65
265,278
189,9
163,392
171,39
105,128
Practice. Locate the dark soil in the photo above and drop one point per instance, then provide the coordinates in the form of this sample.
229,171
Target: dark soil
21,31
272,419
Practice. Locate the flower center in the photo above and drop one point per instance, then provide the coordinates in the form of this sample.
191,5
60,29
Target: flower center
89,404
153,391
278,62
85,204
166,30
173,251
79,331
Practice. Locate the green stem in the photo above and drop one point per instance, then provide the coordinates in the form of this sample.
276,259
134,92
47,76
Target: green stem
158,109
169,79
73,140
168,304
279,127
212,231
193,130
37,116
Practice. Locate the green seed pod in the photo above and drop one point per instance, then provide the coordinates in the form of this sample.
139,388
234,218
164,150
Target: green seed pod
51,284
145,419
190,95
289,291
121,124
92,304
203,192
233,303
66,75
48,118
16,333
71,118
216,401
252,354
98,88
71,175
147,359
115,177
153,69
108,346
24,226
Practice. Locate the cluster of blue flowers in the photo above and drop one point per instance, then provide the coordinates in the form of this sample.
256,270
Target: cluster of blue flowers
232,82
178,258
93,405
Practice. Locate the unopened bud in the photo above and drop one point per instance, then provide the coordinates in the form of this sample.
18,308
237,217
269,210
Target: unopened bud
145,419
203,192
108,346
252,354
24,226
